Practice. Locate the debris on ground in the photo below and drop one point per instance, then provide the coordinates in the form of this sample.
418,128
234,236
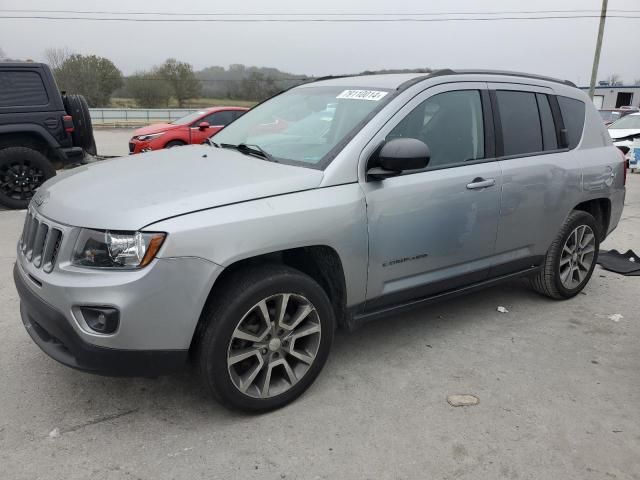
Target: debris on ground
55,433
616,317
502,309
464,400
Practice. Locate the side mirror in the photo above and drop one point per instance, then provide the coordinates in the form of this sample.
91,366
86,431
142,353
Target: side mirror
203,125
400,154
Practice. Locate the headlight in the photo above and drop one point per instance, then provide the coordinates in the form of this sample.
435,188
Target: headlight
106,249
149,136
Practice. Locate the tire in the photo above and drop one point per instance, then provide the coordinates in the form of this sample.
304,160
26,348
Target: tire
553,280
82,135
28,167
231,312
174,143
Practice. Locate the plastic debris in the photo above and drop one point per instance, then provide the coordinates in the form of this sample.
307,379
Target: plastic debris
464,400
502,309
616,317
55,433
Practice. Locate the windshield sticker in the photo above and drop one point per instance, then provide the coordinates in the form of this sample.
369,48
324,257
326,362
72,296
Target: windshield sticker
373,95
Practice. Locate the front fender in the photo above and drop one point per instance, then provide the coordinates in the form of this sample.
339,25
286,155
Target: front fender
331,216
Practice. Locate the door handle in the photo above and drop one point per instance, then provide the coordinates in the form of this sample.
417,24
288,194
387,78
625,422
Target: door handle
480,182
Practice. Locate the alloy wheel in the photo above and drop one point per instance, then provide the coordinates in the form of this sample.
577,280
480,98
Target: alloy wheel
20,180
274,345
577,256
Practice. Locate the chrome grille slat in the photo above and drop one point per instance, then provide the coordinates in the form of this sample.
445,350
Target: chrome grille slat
32,238
51,250
27,229
40,242
38,247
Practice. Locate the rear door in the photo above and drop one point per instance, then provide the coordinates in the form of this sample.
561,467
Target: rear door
434,230
540,180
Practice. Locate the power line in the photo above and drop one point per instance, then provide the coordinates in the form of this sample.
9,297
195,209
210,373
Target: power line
309,20
312,14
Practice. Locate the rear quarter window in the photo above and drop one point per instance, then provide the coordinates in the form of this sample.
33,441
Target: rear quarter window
573,117
22,89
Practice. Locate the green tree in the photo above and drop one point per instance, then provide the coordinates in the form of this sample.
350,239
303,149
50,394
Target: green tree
94,77
182,79
149,89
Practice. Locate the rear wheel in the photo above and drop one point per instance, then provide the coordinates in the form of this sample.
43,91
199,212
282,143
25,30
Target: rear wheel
571,259
268,334
22,171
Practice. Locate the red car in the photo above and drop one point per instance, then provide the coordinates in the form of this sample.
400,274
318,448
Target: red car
194,128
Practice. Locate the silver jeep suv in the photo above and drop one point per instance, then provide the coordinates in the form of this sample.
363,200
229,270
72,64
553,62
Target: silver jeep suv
328,205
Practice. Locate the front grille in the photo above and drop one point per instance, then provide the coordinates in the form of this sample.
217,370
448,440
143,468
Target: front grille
40,242
131,147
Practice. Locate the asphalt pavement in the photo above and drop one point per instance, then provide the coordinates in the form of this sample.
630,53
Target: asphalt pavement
558,385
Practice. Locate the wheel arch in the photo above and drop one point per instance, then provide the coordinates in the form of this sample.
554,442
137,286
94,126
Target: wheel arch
600,209
320,262
30,136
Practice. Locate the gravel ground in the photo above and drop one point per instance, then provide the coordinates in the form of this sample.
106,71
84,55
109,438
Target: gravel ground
558,384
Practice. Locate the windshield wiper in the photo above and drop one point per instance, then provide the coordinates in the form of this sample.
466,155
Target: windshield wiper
249,149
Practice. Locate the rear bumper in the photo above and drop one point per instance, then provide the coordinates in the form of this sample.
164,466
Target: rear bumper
51,331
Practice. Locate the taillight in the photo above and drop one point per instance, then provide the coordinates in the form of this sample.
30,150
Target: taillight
625,165
67,121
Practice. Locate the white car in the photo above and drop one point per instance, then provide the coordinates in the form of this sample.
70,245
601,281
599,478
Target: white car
624,131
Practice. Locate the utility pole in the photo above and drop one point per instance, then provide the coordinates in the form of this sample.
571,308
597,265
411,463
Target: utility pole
596,57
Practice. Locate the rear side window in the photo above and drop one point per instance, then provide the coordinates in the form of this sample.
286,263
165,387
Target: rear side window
573,117
549,138
521,130
22,89
220,118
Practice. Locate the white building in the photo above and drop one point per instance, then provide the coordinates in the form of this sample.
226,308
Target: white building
607,97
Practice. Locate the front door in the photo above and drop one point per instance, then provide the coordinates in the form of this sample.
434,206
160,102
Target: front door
434,230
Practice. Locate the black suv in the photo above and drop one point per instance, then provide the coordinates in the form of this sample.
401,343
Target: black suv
41,130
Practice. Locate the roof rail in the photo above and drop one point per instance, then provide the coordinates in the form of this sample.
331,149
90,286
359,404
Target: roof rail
517,74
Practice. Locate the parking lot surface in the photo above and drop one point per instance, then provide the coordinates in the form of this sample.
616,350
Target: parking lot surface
558,384
113,142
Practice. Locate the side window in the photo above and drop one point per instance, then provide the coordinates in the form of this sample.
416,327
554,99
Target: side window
219,118
22,89
521,131
573,117
238,113
549,138
450,124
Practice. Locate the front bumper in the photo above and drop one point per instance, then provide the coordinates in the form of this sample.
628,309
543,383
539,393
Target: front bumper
51,331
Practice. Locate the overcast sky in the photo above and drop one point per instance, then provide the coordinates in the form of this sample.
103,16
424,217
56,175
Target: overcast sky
561,48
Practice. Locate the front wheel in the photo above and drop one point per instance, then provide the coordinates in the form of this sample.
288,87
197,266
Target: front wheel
267,336
571,259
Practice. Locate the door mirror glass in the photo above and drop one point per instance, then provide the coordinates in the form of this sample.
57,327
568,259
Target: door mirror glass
203,125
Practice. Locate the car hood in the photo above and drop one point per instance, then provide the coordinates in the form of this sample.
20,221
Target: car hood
623,132
155,128
129,193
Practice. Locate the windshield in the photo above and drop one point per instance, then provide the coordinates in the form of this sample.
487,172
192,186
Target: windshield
630,121
187,119
304,125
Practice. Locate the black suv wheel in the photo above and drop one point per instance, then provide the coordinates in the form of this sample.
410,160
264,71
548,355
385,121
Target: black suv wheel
22,171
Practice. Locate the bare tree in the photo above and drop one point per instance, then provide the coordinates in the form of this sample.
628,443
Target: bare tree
2,54
614,79
57,56
636,81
